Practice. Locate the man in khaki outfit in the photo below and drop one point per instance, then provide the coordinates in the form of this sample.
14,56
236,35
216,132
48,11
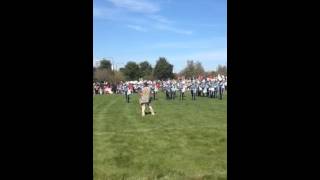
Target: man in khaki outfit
145,99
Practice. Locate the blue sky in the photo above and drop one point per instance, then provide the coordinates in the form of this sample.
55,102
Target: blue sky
180,30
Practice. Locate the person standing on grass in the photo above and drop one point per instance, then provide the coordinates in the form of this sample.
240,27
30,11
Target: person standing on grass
96,88
166,88
127,93
222,86
100,88
145,99
153,92
215,86
204,89
211,89
179,88
156,88
220,89
182,89
168,91
130,87
193,91
207,87
125,90
173,91
198,88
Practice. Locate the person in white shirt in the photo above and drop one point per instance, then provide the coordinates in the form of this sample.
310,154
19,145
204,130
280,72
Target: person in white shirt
101,88
181,89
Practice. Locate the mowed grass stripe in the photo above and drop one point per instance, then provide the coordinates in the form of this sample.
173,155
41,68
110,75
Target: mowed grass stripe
100,120
158,129
113,115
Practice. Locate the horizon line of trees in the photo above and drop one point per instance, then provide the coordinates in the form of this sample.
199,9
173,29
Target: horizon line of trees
161,71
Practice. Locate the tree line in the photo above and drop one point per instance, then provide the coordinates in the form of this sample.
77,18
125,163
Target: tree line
161,71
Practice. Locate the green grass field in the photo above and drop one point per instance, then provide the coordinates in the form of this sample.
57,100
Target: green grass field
184,140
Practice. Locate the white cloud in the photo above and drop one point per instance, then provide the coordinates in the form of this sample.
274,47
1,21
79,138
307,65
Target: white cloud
140,6
137,28
107,13
140,12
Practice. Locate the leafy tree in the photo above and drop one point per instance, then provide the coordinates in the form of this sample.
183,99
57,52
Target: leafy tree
131,71
163,69
105,64
192,69
145,69
199,70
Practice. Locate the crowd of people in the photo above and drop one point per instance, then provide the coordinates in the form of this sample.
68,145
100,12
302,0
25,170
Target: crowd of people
147,89
205,87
